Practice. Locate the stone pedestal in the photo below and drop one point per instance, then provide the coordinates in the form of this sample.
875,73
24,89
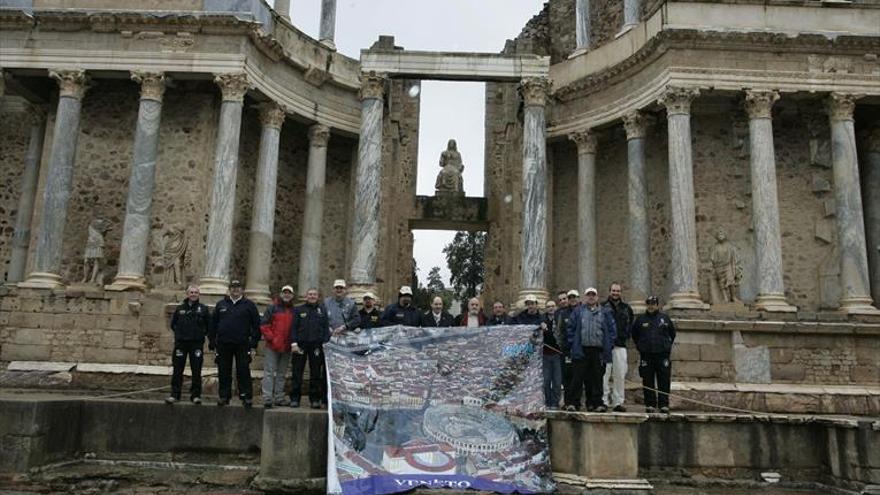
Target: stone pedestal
685,292
327,33
218,247
765,205
533,279
263,217
313,216
586,208
871,195
855,288
59,181
30,176
136,228
636,124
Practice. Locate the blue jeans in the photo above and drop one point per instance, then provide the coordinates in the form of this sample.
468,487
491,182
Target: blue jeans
552,380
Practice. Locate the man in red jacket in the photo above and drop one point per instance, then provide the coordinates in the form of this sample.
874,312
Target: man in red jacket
276,330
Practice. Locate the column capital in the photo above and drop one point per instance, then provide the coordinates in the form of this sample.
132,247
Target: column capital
372,85
319,135
72,83
535,90
152,84
272,114
677,99
636,124
840,106
759,103
585,140
233,85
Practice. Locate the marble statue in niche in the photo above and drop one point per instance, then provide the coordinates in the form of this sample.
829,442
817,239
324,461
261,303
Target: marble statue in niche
93,257
174,248
726,270
449,180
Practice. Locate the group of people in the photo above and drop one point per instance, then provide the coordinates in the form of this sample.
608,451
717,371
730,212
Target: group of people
584,342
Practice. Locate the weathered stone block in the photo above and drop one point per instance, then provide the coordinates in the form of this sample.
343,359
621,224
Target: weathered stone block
113,339
752,364
99,355
716,353
84,321
865,374
787,372
18,352
781,355
685,352
30,336
695,369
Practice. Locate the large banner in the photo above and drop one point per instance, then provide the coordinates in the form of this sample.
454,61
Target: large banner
438,408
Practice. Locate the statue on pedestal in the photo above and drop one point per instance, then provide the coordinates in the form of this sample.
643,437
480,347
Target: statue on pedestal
93,257
726,270
174,245
449,180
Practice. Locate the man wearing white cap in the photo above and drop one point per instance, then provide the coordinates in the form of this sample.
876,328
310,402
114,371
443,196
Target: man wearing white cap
275,327
402,312
591,333
341,310
369,314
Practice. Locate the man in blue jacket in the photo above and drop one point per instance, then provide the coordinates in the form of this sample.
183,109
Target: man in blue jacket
310,330
234,335
590,335
402,312
654,333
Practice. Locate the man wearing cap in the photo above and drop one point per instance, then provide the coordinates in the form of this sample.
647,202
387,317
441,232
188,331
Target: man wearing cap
530,315
474,317
341,310
234,334
190,325
563,316
310,330
275,328
654,333
591,333
402,312
369,315
499,315
437,316
623,318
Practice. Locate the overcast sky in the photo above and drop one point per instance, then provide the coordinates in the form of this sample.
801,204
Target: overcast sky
448,109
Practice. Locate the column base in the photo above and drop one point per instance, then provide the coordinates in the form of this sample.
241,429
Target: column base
625,29
774,303
329,44
213,286
858,306
42,280
540,294
357,291
127,282
578,52
686,300
259,294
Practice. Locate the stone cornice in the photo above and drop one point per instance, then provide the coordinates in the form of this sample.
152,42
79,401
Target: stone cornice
71,83
759,103
319,135
152,84
272,115
585,140
840,106
535,90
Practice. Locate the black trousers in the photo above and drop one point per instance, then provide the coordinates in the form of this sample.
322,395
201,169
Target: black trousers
656,372
586,375
313,352
568,397
226,353
182,350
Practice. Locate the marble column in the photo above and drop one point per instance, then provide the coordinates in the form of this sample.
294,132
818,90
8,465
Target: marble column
582,26
59,181
313,216
368,187
636,125
282,8
327,33
136,227
765,205
684,272
533,278
30,176
263,215
631,10
854,285
218,246
871,192
586,207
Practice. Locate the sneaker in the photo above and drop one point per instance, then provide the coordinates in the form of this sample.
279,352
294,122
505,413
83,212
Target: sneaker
222,402
315,404
601,409
197,401
294,403
282,403
570,408
247,403
664,410
619,408
171,400
649,410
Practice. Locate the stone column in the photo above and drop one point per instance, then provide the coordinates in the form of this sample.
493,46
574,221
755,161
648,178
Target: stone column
854,285
765,205
218,247
136,228
368,187
263,215
636,124
870,180
685,291
30,176
533,279
631,10
282,8
313,216
582,26
327,34
586,205
59,181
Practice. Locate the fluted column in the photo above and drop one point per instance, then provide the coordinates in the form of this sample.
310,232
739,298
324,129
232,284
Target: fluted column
368,186
586,207
685,291
313,216
136,227
765,205
582,26
218,247
636,124
59,180
533,279
282,8
263,215
871,191
327,34
854,285
30,176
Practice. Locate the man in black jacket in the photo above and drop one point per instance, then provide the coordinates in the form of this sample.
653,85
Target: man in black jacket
615,371
437,317
402,312
190,325
654,333
311,329
369,314
499,315
235,334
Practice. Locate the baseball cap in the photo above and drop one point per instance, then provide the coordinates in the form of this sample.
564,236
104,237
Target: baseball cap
287,288
235,283
572,293
405,290
531,298
339,282
591,289
652,300
370,295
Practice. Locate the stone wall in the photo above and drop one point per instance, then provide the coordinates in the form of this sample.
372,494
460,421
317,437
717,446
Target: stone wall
15,129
